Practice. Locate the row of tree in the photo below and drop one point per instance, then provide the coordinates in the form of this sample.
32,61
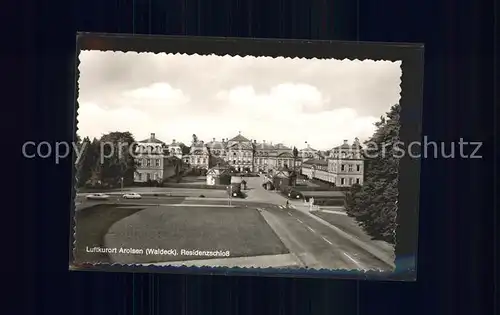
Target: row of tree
106,162
374,204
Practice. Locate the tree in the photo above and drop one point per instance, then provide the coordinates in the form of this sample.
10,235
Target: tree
87,163
195,138
184,149
116,161
374,204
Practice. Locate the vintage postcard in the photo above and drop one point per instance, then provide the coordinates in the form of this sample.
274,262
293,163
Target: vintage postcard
189,157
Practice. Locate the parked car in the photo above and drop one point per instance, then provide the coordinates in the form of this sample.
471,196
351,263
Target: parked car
132,195
97,196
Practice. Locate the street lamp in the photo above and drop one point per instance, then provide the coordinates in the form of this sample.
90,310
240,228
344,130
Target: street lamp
121,179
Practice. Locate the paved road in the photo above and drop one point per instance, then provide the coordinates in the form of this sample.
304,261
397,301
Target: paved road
319,245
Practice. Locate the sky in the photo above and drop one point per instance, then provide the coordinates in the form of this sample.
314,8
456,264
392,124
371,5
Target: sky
280,100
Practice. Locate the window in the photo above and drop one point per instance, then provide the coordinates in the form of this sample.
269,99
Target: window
198,161
234,153
139,176
342,181
350,167
148,162
158,162
342,168
357,180
350,181
234,161
203,161
358,168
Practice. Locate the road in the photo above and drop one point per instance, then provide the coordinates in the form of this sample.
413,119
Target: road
315,244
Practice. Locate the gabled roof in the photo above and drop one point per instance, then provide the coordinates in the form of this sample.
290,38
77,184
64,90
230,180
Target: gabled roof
239,138
242,145
218,170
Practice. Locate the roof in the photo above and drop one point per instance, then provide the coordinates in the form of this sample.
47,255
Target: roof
315,162
239,138
343,146
175,143
218,170
216,145
149,140
264,146
281,146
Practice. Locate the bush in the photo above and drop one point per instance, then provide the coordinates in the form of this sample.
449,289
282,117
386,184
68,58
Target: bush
194,186
337,202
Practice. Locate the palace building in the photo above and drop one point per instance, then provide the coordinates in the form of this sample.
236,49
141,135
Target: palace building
342,166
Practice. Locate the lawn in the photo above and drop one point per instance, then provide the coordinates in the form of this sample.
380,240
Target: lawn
91,225
242,231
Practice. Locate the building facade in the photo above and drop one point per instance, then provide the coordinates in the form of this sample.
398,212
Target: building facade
154,162
343,167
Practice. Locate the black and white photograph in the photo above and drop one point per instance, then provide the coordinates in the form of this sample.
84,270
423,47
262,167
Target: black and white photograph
210,160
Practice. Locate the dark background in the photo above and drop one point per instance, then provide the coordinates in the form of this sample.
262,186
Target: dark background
455,268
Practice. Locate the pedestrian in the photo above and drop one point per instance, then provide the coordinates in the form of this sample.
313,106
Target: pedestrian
287,203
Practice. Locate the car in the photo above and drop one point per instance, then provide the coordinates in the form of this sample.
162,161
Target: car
293,194
97,196
131,195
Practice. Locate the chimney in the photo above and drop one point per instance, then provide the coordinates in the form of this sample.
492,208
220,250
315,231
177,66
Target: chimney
223,140
213,139
345,141
173,141
255,141
152,136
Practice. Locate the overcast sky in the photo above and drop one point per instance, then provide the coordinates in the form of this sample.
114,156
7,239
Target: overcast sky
279,100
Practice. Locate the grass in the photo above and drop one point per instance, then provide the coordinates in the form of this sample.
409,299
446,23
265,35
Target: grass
241,231
91,225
